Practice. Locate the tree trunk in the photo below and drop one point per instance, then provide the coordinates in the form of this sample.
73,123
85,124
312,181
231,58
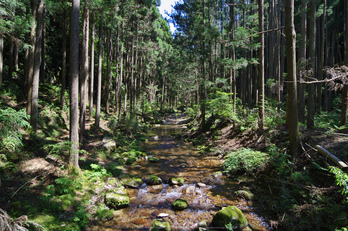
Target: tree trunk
344,104
84,71
322,56
37,61
63,72
311,87
97,115
43,53
290,35
302,58
1,56
10,59
31,56
261,82
109,74
121,77
74,87
91,75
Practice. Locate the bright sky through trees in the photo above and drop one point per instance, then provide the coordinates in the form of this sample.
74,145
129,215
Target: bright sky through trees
166,6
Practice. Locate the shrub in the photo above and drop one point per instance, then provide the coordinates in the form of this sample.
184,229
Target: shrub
245,159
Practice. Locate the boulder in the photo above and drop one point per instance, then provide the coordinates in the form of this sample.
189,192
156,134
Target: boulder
131,181
155,188
158,225
179,204
117,198
189,190
153,159
108,144
230,214
201,185
154,180
176,181
247,195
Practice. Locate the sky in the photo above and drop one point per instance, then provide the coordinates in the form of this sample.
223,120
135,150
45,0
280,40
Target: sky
166,5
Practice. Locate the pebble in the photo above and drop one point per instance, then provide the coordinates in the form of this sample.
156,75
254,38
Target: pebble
163,215
201,185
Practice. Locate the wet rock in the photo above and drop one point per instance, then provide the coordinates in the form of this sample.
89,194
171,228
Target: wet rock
158,225
202,224
245,194
108,144
179,204
155,188
176,181
230,214
183,165
117,198
201,185
131,181
189,190
154,180
163,215
217,174
153,159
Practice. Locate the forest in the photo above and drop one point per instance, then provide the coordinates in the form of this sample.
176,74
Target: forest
237,120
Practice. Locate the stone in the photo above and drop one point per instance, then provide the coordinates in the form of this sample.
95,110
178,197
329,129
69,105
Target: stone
158,225
217,174
163,215
108,144
230,214
153,159
247,195
201,185
189,190
155,188
154,180
117,198
176,181
179,204
183,165
202,224
131,181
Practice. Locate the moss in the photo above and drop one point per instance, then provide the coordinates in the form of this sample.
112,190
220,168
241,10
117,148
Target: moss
117,199
158,225
153,159
245,194
180,204
154,180
230,214
131,181
176,181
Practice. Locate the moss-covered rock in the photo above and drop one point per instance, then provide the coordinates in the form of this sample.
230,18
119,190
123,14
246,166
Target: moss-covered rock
245,194
230,214
153,159
117,198
158,225
179,204
176,181
131,181
154,180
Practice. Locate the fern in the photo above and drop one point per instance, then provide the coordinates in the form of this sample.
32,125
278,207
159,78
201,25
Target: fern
18,224
341,180
11,123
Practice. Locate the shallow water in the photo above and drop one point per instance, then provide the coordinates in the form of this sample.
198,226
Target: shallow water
149,201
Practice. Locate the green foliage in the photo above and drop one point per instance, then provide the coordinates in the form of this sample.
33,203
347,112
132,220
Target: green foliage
20,224
341,180
279,161
220,104
328,120
192,112
11,124
245,159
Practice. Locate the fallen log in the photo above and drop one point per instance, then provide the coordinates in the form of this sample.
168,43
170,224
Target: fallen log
332,157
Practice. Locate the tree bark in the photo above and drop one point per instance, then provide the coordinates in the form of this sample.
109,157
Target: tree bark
91,75
1,56
311,87
84,71
261,82
109,73
290,35
31,56
63,72
37,61
344,104
100,56
302,58
74,84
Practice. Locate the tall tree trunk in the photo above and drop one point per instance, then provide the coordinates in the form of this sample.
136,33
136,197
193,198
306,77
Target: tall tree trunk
10,58
37,61
84,71
311,87
91,75
302,59
344,104
322,56
100,56
1,56
63,72
109,73
43,53
74,87
291,77
31,56
121,76
261,82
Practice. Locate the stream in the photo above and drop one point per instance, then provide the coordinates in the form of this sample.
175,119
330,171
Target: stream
178,158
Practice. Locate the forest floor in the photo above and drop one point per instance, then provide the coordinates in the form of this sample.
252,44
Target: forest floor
22,188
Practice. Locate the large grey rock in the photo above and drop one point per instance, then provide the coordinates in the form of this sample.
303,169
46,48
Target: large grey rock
108,144
117,198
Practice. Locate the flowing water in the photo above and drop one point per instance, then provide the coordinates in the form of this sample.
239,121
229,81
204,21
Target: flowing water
179,159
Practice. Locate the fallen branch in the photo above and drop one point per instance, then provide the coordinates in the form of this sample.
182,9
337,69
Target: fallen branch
21,188
332,157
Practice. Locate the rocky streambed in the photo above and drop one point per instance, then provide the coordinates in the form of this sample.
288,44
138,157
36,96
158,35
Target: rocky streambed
184,175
